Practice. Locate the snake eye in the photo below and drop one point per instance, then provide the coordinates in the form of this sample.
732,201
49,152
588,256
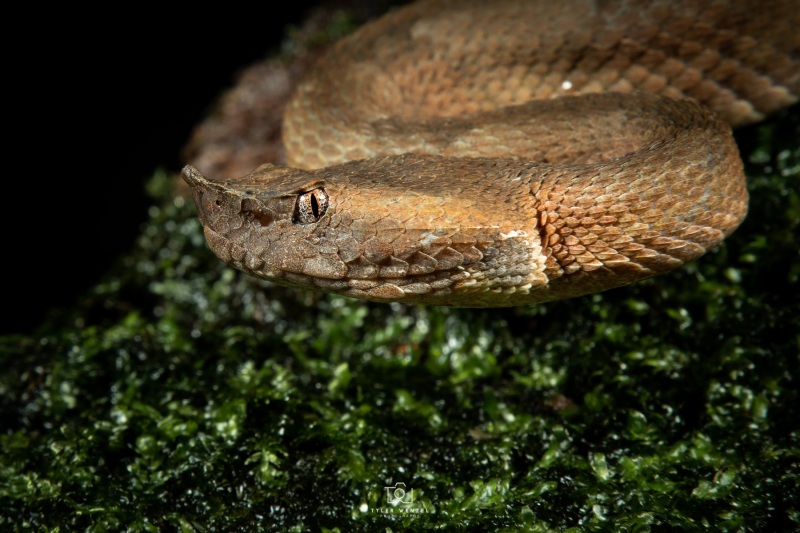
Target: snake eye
310,206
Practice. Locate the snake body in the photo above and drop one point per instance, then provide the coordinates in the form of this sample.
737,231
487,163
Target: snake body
499,153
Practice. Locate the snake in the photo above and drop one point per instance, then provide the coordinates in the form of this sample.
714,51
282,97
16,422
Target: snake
502,153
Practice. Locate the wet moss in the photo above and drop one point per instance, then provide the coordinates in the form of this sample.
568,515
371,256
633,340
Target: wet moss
181,395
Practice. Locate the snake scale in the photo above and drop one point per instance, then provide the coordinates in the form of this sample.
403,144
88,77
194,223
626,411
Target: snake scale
501,153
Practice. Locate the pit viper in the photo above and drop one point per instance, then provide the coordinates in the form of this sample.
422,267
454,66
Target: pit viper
501,153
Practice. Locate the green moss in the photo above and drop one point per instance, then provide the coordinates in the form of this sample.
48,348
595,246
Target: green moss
181,395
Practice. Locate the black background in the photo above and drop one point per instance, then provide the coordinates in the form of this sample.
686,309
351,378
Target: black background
95,106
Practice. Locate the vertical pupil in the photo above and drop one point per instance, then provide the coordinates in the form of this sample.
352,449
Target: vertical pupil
314,206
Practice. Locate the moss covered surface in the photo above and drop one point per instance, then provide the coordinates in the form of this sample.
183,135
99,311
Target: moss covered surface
181,395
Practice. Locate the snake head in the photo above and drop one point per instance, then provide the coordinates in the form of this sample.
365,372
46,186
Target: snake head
352,230
264,223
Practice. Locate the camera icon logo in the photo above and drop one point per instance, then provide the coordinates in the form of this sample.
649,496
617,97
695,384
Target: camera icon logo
399,494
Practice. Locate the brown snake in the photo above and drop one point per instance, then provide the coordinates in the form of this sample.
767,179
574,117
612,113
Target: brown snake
489,154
